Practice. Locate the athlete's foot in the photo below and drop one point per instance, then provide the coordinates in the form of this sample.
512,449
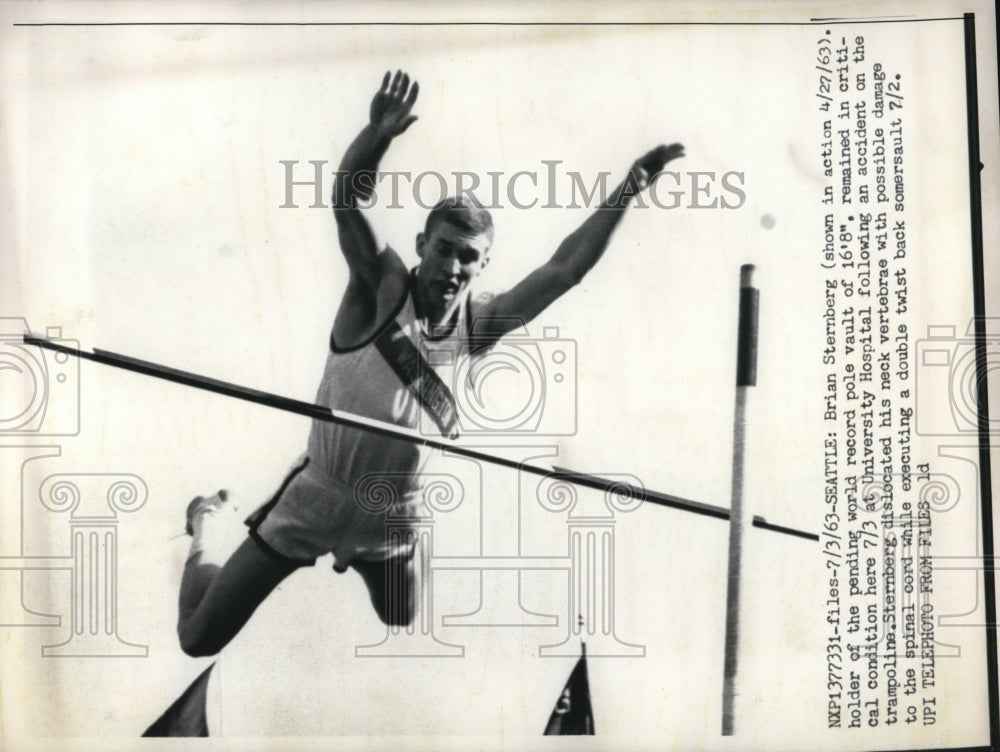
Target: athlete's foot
201,506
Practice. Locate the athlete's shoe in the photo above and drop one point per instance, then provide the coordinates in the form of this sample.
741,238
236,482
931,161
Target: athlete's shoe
201,505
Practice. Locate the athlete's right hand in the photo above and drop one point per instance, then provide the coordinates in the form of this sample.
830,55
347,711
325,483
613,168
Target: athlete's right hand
390,110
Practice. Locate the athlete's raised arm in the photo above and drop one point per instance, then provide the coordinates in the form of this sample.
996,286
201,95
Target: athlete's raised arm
389,116
575,256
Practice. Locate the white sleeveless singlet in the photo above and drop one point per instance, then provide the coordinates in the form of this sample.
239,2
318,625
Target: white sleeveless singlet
360,381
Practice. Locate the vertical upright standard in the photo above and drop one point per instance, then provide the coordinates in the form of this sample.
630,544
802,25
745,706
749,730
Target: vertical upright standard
739,523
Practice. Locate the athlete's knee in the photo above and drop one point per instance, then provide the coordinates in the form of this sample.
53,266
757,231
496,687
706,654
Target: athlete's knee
396,606
397,614
197,643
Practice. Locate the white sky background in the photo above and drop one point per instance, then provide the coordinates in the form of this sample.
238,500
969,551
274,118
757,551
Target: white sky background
148,224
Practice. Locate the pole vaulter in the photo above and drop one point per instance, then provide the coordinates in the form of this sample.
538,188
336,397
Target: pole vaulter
318,412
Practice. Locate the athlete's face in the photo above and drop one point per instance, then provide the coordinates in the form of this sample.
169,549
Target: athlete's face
450,258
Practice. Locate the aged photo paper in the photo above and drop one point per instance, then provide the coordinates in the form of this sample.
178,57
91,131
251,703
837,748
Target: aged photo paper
730,491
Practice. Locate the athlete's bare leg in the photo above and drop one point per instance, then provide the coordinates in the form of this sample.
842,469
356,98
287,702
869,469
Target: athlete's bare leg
219,595
393,585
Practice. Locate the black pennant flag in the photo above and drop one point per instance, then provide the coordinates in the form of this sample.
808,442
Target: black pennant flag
187,716
572,713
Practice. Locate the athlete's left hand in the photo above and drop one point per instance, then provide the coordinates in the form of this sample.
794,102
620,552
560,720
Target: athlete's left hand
391,105
648,166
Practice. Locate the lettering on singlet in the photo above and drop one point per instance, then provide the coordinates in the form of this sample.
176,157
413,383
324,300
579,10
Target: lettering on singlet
419,378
